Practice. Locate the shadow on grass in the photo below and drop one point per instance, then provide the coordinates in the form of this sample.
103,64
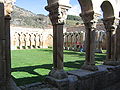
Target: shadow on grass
100,57
30,69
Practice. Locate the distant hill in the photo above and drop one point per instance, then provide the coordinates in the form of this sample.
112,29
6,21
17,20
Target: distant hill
22,17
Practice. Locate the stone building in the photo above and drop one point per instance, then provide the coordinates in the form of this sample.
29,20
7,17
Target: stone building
30,38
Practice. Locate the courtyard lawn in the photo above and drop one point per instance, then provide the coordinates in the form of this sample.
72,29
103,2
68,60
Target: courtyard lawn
29,66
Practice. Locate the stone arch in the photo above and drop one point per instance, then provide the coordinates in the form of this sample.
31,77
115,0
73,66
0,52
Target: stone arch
107,8
49,40
86,5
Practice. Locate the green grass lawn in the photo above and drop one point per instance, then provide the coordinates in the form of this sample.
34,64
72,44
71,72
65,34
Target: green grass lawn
29,66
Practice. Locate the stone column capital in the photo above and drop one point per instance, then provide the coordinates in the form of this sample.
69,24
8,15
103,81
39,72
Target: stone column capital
57,13
8,4
109,23
87,16
90,19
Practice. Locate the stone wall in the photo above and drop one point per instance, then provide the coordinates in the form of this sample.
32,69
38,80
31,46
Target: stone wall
106,78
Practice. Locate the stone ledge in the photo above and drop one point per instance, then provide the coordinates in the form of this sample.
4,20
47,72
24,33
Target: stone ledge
105,77
113,63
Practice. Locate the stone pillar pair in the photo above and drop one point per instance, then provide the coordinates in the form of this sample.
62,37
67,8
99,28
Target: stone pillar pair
58,15
90,20
113,41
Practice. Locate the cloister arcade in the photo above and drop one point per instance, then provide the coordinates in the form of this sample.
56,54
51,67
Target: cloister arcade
58,14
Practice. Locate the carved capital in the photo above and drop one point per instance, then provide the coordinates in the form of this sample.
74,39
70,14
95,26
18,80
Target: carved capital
58,13
109,23
8,4
90,19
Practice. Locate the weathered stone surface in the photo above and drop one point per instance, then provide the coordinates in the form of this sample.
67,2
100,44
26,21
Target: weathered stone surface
72,82
106,78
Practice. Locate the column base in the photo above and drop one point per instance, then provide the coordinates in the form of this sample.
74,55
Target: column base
58,74
112,63
58,78
89,67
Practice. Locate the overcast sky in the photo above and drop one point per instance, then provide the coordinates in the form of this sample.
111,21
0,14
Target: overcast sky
37,6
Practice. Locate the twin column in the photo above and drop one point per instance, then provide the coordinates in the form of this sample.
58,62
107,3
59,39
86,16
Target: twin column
90,20
57,14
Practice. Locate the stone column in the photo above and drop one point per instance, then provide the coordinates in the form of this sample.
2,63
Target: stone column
5,66
100,39
90,20
110,36
2,50
78,42
67,34
10,83
57,14
118,43
74,41
71,44
69,40
27,41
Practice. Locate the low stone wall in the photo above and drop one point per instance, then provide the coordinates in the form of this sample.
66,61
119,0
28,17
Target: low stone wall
106,78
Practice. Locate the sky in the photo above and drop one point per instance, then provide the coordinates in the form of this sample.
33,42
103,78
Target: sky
37,6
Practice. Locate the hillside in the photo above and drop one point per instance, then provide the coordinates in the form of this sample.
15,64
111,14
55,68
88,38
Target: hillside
22,17
25,18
